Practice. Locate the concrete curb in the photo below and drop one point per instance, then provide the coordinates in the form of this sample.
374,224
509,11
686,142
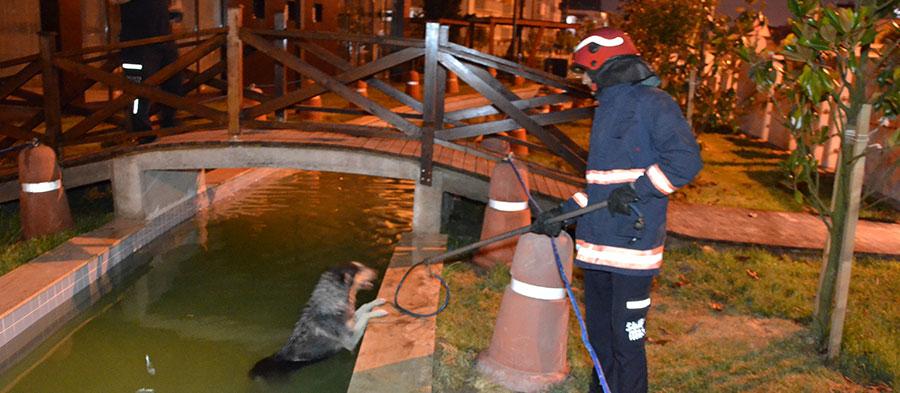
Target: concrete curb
397,350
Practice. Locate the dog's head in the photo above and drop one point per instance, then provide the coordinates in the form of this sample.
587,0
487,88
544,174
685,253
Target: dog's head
357,276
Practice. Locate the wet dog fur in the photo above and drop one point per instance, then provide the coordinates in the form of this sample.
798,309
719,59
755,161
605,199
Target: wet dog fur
327,324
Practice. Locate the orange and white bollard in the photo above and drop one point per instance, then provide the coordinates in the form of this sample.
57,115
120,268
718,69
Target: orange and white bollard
452,83
492,71
518,81
557,107
528,348
43,207
363,89
522,135
413,88
507,210
314,102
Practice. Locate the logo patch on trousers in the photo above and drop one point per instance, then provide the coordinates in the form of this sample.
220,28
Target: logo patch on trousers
636,330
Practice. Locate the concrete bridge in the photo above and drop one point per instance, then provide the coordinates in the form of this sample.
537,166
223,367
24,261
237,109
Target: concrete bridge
148,179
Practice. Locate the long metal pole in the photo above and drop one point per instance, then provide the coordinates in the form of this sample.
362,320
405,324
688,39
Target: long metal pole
515,232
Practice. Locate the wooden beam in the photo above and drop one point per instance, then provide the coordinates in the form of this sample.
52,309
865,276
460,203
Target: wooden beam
373,82
341,128
335,85
493,127
336,36
498,99
509,95
235,52
487,110
19,133
141,90
504,65
50,79
158,78
346,77
14,82
142,42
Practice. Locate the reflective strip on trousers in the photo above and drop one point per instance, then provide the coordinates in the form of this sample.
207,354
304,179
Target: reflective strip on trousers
638,304
536,291
47,186
508,206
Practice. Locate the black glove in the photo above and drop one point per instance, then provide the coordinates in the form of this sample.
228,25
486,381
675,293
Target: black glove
542,227
619,199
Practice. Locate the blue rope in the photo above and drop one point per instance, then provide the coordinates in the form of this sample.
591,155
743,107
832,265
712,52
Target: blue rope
562,275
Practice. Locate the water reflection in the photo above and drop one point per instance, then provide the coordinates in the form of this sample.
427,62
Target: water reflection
224,290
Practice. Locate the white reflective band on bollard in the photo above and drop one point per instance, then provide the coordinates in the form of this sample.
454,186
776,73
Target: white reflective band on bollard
37,188
508,206
536,291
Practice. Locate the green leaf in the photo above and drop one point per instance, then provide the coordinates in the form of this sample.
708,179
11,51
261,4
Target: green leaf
869,36
833,19
847,19
815,43
794,7
828,32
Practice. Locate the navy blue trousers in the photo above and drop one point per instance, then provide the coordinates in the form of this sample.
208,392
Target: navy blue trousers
616,308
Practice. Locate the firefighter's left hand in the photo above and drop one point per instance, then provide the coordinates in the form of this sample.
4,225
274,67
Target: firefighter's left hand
619,199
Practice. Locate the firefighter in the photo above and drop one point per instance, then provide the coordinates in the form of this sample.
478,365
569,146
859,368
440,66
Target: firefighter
143,19
641,150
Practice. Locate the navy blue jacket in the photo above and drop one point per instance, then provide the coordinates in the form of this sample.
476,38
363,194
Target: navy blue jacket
639,136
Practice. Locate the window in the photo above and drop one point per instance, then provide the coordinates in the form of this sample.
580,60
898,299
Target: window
259,9
317,12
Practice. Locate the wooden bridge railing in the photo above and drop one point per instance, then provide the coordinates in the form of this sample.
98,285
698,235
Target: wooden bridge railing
107,121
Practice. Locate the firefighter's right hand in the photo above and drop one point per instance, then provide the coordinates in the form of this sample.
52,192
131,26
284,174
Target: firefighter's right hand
619,199
542,227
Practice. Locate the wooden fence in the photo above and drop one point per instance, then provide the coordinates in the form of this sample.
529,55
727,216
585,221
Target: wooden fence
106,123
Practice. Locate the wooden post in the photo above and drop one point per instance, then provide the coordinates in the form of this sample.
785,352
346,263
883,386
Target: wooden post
280,77
50,79
433,103
235,72
856,171
491,37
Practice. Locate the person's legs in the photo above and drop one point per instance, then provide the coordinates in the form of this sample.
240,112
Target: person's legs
630,303
168,54
137,64
598,312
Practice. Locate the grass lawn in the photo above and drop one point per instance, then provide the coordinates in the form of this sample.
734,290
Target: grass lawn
91,207
759,342
738,171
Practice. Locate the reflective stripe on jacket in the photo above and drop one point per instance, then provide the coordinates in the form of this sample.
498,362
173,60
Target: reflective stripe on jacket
638,136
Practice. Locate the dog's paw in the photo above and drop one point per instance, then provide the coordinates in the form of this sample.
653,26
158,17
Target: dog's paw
377,313
376,302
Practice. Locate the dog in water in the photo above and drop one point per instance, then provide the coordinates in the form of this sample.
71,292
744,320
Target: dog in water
327,324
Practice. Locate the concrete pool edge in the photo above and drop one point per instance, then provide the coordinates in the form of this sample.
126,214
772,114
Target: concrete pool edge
45,293
396,351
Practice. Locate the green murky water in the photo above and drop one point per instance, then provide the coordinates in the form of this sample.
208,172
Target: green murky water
223,290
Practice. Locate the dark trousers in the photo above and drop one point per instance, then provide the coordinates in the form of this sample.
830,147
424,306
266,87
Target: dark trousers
150,59
616,308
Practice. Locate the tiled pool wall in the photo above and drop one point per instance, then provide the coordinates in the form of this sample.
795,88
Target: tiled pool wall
95,255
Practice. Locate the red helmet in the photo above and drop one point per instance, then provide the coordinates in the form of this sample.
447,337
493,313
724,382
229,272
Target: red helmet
600,46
